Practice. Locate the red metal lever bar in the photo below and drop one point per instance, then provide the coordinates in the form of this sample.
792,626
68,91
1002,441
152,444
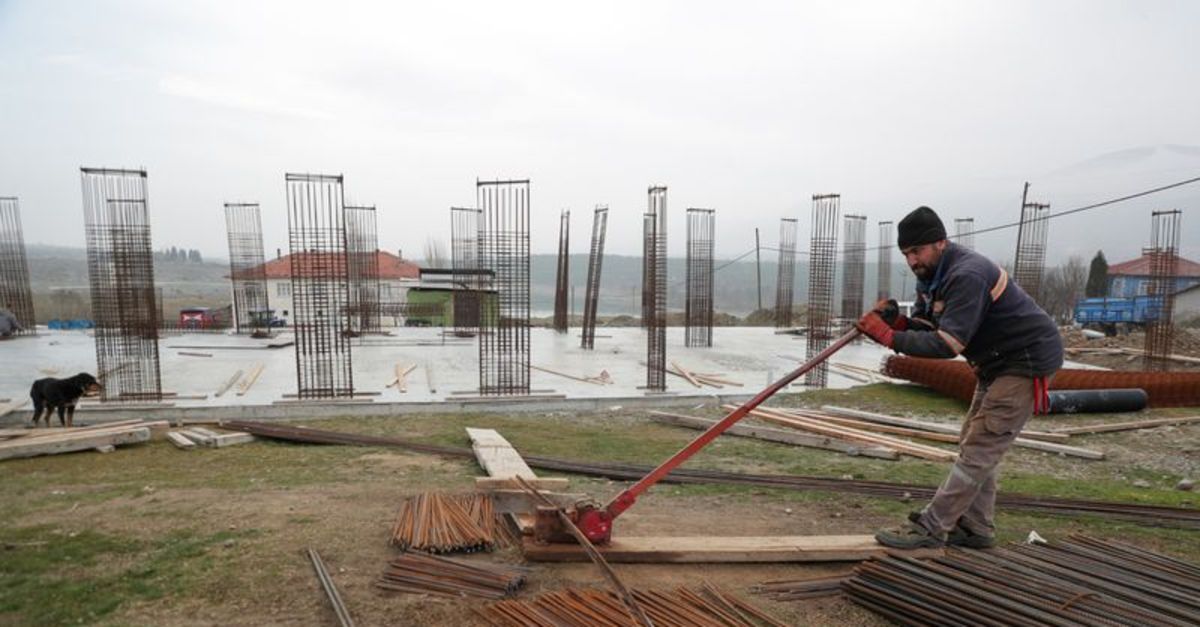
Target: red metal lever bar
597,523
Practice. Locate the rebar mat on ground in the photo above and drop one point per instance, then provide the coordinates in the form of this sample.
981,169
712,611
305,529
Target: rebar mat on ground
956,379
1078,581
683,607
444,523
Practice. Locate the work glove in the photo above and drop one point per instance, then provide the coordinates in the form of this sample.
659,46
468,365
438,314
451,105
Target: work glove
889,310
873,326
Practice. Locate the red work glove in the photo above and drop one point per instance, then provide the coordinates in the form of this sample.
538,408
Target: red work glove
873,326
889,310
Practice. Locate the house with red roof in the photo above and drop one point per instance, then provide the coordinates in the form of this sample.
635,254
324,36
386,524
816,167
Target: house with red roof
1132,278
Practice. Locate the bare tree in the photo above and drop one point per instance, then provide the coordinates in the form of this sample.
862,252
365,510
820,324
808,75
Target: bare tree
1062,287
435,254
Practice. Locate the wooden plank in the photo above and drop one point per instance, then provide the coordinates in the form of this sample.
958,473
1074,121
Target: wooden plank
12,406
429,378
565,375
250,379
938,427
778,435
1128,426
180,440
846,433
500,459
874,427
508,483
686,375
228,384
519,501
79,442
710,549
56,434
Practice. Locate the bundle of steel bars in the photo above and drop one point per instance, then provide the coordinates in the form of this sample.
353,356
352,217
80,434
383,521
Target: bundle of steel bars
125,307
467,277
444,523
655,224
562,277
320,285
1182,517
854,264
1080,581
591,298
1031,246
886,242
800,589
15,293
1164,261
786,277
698,305
362,266
708,606
504,252
422,573
957,380
247,268
821,272
964,232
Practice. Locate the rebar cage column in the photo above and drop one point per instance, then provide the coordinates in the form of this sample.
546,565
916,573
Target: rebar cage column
1164,264
247,268
320,285
1031,248
821,272
562,278
591,298
964,232
464,261
698,309
854,262
884,262
504,251
656,289
786,278
15,293
362,256
121,278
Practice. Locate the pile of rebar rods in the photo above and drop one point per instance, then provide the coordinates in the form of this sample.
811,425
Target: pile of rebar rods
1080,581
708,607
445,523
331,591
799,589
429,574
1154,515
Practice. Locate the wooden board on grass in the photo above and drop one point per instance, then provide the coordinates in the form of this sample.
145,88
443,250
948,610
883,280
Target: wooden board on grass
710,549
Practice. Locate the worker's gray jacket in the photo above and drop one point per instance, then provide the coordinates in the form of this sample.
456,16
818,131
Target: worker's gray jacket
970,307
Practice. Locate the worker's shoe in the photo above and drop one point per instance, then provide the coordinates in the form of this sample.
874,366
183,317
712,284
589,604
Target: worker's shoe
960,536
910,536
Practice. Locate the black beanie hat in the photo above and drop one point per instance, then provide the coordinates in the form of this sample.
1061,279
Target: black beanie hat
921,226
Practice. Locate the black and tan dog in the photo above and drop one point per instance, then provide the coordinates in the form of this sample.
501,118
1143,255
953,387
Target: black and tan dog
49,394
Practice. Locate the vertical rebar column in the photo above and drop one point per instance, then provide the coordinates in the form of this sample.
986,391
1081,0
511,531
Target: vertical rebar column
698,311
464,260
964,232
886,242
647,244
247,268
562,279
854,262
786,278
656,312
121,277
504,251
591,297
15,293
1164,264
1031,248
362,256
821,272
320,285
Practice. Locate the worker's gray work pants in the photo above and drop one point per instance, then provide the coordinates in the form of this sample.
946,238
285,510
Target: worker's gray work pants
999,410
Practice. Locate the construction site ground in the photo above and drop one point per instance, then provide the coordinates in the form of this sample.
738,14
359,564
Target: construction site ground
1186,342
150,534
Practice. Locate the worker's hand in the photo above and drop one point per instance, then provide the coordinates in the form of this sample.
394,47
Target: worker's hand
889,310
873,326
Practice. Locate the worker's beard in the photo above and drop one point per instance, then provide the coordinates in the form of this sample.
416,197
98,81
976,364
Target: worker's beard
923,272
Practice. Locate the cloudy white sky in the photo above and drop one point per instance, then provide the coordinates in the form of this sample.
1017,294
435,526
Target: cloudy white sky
745,107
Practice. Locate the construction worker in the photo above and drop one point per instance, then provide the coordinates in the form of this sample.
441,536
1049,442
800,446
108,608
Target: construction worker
966,305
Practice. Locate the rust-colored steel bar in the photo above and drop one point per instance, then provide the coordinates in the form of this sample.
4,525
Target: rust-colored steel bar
469,280
656,312
247,268
1163,284
15,293
331,591
562,277
125,306
821,272
964,232
854,264
698,304
504,254
595,263
1031,247
362,264
785,280
320,285
887,242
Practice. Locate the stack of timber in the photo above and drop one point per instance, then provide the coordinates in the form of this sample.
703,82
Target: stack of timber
781,436
19,443
431,574
700,379
445,523
501,461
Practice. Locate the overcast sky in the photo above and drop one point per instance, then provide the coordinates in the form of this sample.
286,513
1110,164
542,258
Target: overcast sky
748,108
